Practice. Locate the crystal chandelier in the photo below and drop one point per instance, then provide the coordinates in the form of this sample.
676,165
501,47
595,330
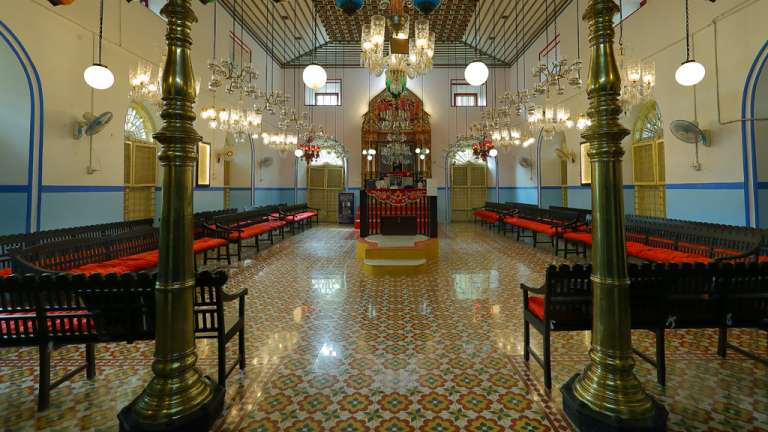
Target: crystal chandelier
551,78
550,119
639,80
397,151
145,84
407,58
237,120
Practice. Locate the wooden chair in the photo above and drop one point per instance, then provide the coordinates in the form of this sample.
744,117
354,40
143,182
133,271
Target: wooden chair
211,322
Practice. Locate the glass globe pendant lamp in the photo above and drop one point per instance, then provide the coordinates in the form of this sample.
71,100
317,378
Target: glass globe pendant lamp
314,76
476,73
97,75
690,72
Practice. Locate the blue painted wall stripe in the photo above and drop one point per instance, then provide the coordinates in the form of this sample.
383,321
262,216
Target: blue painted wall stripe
80,188
31,154
717,186
14,189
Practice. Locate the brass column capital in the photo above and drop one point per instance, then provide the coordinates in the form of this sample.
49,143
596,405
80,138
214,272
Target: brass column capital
607,396
178,397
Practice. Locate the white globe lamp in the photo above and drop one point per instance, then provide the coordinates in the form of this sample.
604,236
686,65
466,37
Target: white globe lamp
476,73
493,153
299,153
314,76
690,73
98,76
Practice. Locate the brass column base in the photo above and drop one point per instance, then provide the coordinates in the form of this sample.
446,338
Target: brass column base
586,419
199,420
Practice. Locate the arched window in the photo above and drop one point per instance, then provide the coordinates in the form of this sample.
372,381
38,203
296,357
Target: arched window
463,157
140,166
648,167
138,126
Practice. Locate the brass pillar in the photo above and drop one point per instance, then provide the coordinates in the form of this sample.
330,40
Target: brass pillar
607,396
178,397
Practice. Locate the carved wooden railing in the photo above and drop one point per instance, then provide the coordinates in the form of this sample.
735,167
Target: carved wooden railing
375,204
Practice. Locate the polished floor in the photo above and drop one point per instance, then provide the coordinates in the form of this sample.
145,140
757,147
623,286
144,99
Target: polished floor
330,348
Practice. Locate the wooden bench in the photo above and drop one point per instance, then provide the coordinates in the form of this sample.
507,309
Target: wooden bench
50,311
686,296
25,240
491,213
250,224
299,215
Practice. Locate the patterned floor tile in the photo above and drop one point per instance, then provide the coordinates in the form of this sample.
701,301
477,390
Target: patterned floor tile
330,348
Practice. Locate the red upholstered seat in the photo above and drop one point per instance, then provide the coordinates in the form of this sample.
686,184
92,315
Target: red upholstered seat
535,226
102,268
510,220
579,236
662,255
5,272
763,259
536,306
251,231
208,243
486,215
131,263
23,323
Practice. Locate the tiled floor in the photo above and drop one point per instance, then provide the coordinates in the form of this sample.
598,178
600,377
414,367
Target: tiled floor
330,348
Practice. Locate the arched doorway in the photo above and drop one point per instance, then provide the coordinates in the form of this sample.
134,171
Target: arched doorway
140,156
325,180
759,138
21,136
469,185
648,162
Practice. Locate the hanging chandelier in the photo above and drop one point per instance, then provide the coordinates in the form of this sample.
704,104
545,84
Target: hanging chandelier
552,77
407,58
639,82
483,149
237,120
145,83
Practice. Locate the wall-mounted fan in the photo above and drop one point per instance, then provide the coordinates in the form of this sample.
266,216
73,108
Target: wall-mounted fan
264,163
90,125
226,154
690,132
525,162
567,155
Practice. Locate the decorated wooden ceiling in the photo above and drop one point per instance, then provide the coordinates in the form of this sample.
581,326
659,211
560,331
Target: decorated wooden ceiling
505,28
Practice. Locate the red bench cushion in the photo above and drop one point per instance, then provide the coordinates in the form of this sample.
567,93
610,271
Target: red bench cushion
486,215
208,243
579,236
5,272
662,255
536,306
23,323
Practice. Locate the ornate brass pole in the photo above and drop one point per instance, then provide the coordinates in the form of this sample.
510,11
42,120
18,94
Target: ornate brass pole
607,396
178,397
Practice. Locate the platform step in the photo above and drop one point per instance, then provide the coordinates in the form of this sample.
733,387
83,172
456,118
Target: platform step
395,262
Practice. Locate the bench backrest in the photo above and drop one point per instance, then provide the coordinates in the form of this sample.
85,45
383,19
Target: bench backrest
68,254
569,295
744,291
70,308
22,241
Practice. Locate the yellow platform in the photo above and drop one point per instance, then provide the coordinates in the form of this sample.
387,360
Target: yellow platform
396,255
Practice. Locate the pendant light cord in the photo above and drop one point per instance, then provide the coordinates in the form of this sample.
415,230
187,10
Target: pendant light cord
215,7
101,27
687,34
578,32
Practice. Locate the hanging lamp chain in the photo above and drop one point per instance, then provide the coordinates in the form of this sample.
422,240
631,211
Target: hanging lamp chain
101,27
687,34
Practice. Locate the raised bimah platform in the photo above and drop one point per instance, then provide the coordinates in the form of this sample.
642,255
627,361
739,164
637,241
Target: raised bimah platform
398,230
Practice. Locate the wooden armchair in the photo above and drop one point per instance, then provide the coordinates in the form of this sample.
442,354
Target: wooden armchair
211,321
